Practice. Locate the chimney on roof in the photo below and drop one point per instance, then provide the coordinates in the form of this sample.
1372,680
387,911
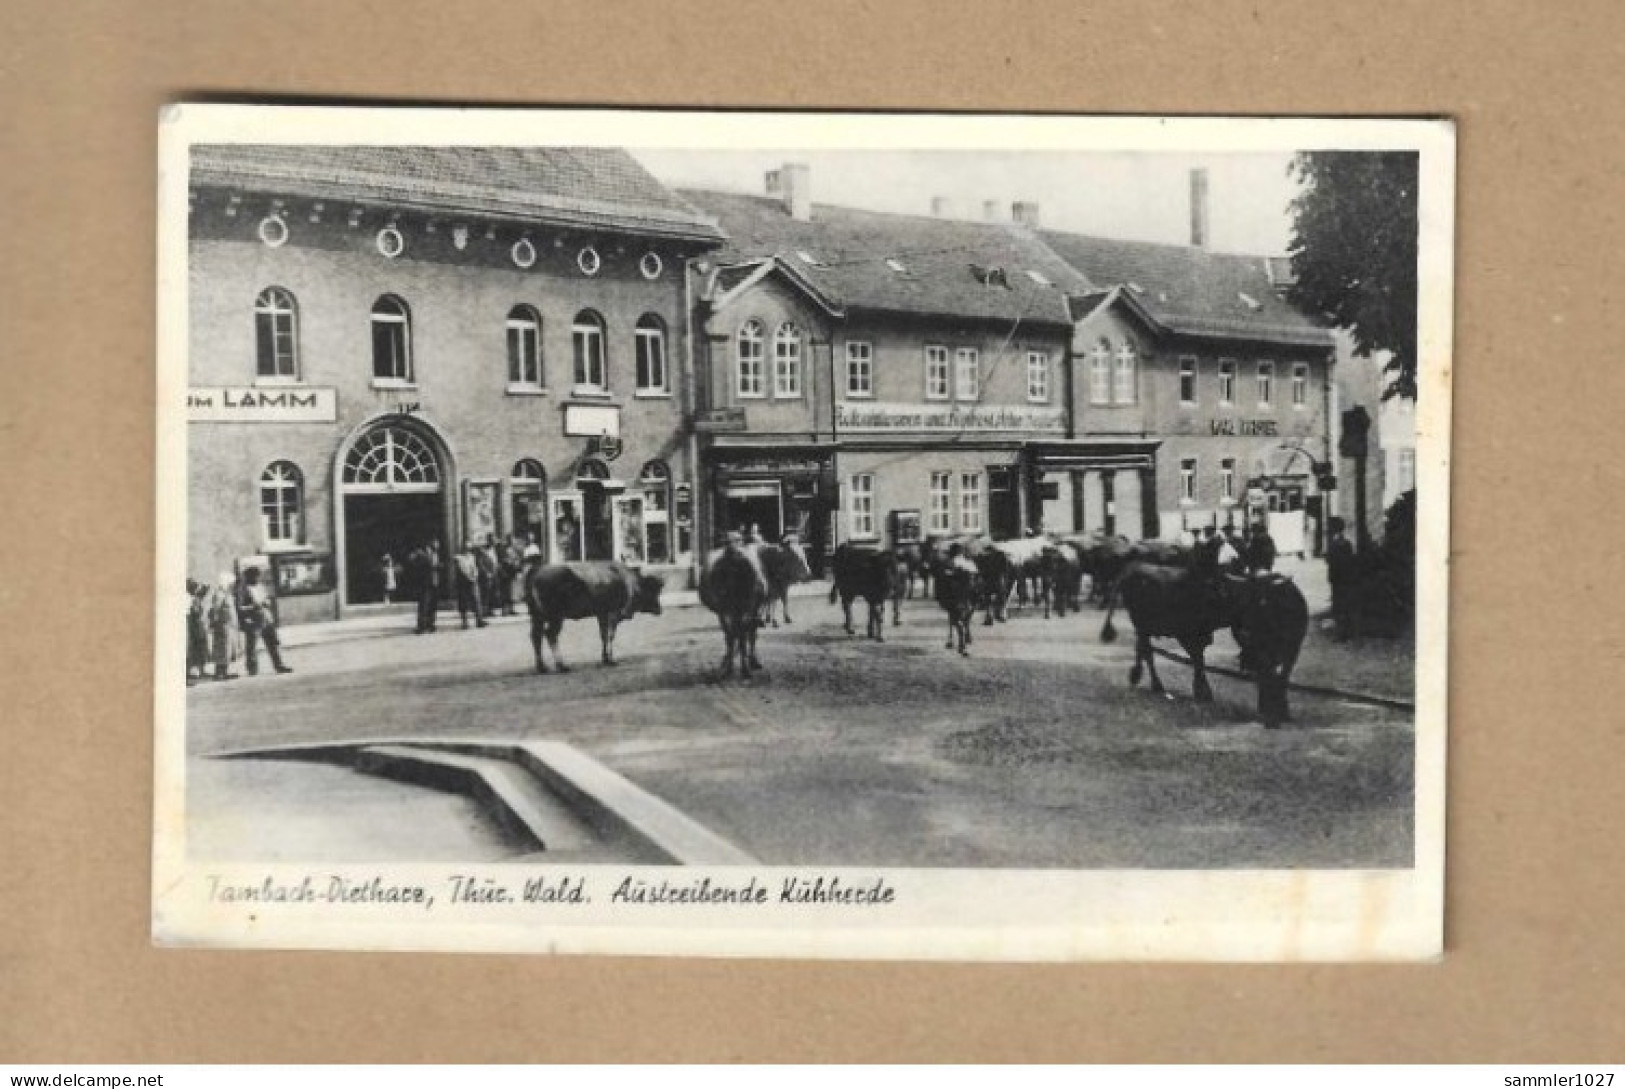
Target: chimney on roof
1025,212
1199,234
792,184
990,211
942,207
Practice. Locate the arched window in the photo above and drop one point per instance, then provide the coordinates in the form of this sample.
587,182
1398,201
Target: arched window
651,344
592,469
391,340
1100,374
1124,380
655,482
524,348
276,335
591,371
748,349
527,485
391,459
787,361
282,506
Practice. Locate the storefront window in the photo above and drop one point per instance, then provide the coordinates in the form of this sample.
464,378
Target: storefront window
655,481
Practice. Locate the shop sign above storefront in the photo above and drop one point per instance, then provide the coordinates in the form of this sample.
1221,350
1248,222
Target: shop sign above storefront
269,404
895,417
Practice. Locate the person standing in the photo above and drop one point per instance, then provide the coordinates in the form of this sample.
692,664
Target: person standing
256,615
390,573
466,580
1340,573
1260,550
197,631
423,564
485,560
510,559
221,613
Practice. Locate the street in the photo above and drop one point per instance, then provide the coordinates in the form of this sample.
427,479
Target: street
1032,753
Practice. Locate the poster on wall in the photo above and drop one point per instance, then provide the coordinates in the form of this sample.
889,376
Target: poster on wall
979,353
480,510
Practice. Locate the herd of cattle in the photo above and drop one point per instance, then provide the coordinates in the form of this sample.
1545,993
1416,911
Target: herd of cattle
1167,591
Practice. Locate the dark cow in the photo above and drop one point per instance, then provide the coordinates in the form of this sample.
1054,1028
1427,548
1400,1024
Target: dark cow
1061,574
865,573
783,565
611,592
915,564
1170,602
995,574
958,591
1269,618
733,585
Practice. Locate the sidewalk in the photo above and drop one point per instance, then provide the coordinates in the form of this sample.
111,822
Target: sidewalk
378,621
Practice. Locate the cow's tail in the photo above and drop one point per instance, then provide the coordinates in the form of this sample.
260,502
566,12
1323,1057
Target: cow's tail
834,587
1108,634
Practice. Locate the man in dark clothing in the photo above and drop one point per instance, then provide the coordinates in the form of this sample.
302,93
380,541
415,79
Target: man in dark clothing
256,615
485,559
1340,572
1260,550
1207,553
424,565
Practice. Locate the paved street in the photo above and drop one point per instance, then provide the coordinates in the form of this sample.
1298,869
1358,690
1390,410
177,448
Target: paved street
1033,753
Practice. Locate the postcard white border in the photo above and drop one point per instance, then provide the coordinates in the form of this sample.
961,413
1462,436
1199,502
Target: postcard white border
1017,915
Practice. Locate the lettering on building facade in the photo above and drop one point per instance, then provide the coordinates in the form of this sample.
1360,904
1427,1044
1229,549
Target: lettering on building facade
887,417
1266,428
246,404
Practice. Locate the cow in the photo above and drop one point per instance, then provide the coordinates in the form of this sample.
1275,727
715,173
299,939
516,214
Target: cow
1269,618
1267,615
733,585
783,565
1061,574
914,564
995,575
865,573
957,591
611,592
1026,558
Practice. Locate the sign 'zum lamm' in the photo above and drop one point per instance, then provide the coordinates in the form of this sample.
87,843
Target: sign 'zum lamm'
269,404
894,417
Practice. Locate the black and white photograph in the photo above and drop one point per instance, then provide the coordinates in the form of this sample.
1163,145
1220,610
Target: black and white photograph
805,535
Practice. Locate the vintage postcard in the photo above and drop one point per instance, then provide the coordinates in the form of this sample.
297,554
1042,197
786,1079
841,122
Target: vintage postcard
774,534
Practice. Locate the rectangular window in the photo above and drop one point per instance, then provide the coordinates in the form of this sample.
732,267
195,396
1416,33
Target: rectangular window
1227,478
651,352
524,354
390,359
860,369
967,374
1266,384
1187,380
1100,377
1124,388
1227,381
863,505
1187,479
940,518
787,363
936,373
1300,385
589,353
970,502
1038,376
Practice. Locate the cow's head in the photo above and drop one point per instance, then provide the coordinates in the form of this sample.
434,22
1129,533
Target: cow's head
646,597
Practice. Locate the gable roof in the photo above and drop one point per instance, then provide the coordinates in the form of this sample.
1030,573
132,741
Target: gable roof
1193,291
589,187
886,262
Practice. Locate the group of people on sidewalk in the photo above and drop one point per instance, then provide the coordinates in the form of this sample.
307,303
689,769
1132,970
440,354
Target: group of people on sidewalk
483,576
228,621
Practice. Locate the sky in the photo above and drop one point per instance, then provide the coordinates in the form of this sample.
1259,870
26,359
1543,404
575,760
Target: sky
1137,195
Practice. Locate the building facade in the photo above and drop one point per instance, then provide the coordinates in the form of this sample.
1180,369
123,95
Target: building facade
390,346
874,378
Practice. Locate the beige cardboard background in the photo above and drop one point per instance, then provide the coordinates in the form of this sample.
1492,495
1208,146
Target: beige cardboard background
1536,963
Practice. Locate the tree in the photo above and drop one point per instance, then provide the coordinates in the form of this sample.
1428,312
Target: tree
1353,251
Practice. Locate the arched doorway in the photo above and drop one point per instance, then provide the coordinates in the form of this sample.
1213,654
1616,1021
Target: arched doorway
392,501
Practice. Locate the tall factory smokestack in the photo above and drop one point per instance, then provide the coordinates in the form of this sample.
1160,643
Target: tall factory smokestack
1199,230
